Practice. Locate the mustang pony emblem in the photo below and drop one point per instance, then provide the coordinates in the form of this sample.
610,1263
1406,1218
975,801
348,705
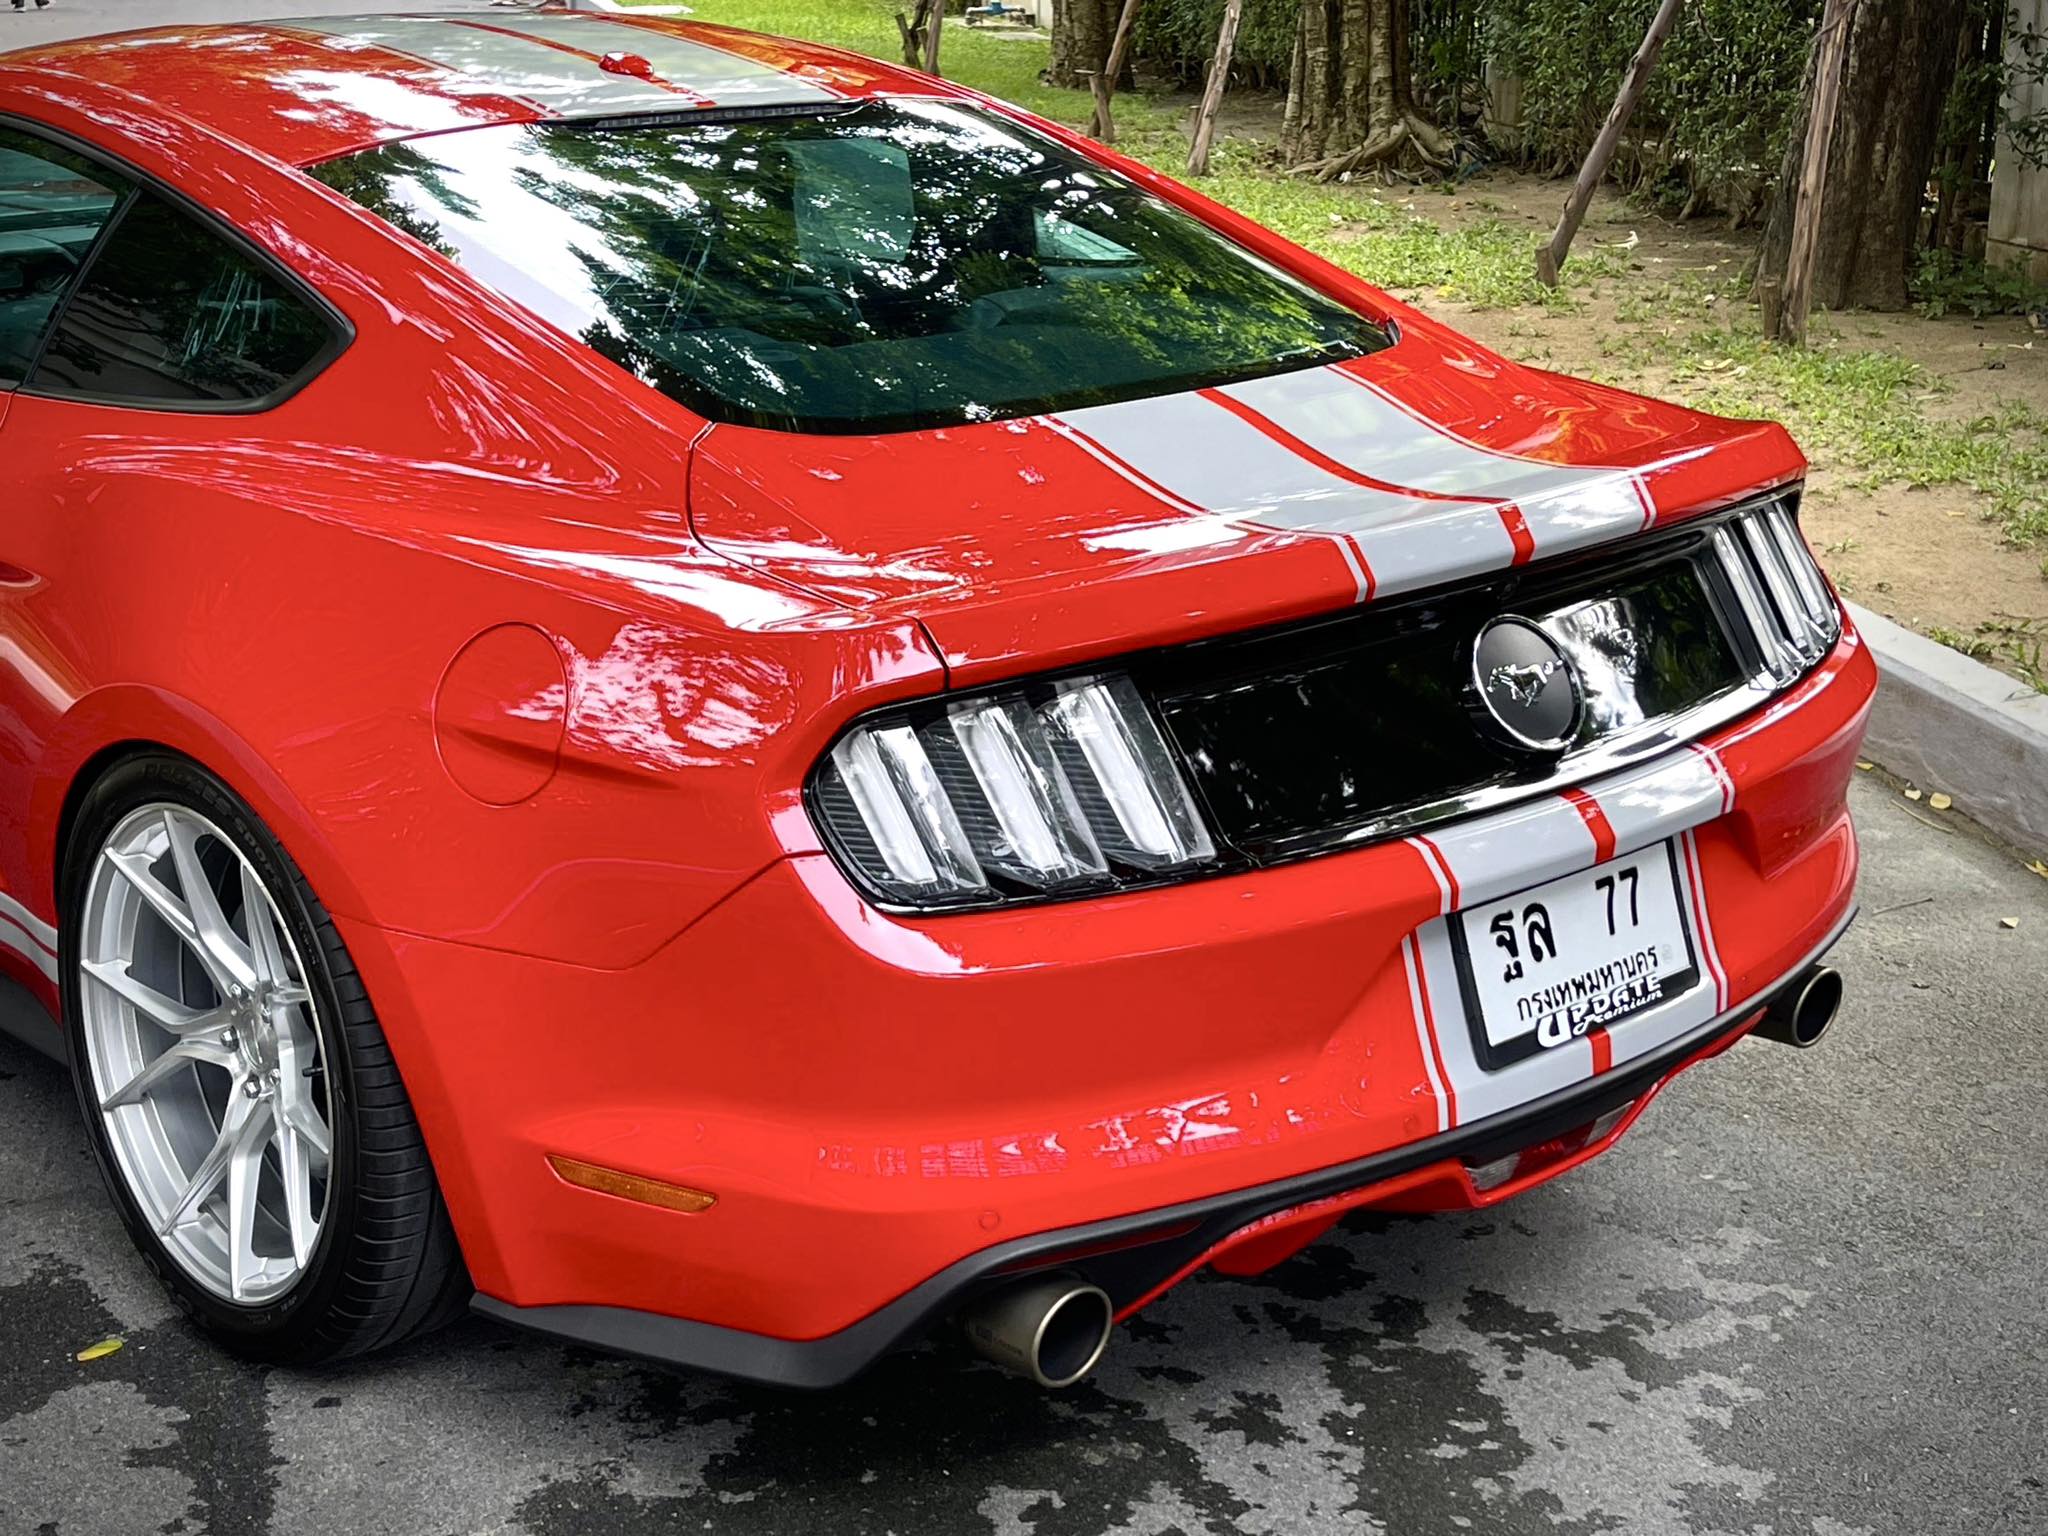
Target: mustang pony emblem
1524,685
1524,681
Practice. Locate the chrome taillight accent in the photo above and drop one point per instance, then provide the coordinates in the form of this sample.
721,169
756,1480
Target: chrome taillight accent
1053,789
1275,745
1790,616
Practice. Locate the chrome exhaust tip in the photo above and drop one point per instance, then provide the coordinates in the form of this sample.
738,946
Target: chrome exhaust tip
1801,1014
1050,1328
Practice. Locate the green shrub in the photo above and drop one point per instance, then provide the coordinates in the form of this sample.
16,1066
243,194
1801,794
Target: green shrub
1177,38
1714,119
1943,284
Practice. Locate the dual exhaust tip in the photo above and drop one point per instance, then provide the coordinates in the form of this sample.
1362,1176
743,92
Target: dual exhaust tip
1053,1329
1801,1014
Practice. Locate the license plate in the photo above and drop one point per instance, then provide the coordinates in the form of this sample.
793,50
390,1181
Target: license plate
1547,965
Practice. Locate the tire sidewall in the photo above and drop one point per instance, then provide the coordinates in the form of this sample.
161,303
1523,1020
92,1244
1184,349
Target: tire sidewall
279,1325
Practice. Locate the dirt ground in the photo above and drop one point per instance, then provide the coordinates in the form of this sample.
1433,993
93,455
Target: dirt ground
1922,556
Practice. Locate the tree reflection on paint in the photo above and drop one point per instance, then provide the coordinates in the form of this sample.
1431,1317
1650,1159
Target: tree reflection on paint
860,268
370,180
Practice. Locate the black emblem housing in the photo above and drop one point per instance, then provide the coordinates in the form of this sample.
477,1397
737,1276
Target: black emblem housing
1528,693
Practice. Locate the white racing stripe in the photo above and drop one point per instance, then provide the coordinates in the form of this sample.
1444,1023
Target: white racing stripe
1203,455
728,79
1566,505
1510,851
1672,795
28,936
1423,1037
555,82
28,922
13,938
1356,422
552,62
1320,450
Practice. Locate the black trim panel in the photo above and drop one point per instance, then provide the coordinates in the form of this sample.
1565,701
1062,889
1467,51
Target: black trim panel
23,1017
1133,1265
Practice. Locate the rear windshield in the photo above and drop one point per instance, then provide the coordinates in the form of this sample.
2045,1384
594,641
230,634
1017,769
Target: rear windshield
870,268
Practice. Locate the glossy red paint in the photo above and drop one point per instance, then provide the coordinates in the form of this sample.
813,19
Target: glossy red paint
526,666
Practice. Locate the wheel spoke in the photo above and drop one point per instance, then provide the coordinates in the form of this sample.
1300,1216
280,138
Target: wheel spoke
295,1108
264,946
245,1170
160,1010
299,1113
295,1170
217,945
135,869
241,1112
182,1054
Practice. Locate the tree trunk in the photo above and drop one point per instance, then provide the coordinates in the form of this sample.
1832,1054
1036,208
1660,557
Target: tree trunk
1105,84
1594,171
1902,56
1212,91
1350,96
1081,32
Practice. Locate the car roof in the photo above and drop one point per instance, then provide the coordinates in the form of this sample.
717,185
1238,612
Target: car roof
303,91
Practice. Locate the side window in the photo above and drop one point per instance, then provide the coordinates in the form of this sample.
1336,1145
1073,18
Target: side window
53,205
170,313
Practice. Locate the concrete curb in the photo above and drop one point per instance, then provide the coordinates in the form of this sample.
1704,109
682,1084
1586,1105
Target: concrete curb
1946,722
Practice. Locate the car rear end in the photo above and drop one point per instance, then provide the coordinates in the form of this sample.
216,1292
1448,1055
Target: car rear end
1367,793
1340,944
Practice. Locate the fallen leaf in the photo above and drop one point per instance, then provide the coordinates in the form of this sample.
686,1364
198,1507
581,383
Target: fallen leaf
1938,802
2008,922
1865,767
99,1351
1912,794
2039,868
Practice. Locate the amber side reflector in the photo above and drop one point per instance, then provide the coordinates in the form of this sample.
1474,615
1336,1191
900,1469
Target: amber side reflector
630,1186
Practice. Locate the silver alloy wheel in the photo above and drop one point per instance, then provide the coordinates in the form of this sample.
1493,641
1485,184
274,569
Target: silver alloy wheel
205,1053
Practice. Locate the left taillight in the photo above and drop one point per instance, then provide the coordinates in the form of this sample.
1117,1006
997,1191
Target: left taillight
1050,789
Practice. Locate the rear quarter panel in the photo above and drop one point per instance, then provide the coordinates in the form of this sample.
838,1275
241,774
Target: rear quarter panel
279,594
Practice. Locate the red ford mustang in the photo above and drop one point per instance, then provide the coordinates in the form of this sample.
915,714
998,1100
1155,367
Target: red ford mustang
729,702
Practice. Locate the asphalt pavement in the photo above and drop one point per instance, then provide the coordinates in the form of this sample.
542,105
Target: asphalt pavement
1802,1296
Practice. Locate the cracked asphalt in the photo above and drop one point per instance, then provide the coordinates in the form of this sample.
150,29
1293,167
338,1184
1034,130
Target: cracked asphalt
1802,1296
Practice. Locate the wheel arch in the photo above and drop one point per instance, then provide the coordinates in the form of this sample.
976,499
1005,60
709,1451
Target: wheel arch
123,721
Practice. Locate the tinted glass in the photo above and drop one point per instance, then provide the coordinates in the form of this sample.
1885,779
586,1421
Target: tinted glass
869,268
171,313
52,206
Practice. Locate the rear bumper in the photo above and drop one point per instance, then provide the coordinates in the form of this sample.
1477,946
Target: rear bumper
889,1110
1135,1258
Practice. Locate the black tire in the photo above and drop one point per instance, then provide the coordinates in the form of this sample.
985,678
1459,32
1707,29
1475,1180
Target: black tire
386,1266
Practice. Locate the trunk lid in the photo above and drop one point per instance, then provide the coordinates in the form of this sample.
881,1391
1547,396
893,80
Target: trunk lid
1051,540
